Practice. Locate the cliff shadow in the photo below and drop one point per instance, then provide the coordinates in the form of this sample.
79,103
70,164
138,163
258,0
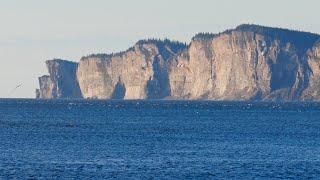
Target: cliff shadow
283,72
158,86
119,90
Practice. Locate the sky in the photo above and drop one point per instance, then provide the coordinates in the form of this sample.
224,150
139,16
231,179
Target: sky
33,31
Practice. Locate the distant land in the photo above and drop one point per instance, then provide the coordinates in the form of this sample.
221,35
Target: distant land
250,62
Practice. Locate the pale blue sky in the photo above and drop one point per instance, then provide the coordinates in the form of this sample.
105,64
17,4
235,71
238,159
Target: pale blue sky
33,31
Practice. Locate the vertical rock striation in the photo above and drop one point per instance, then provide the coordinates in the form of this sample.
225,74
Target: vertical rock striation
249,62
312,91
61,82
46,88
138,73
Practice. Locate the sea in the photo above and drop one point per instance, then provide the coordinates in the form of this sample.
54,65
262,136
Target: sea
92,139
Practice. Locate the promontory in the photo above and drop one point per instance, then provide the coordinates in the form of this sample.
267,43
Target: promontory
249,62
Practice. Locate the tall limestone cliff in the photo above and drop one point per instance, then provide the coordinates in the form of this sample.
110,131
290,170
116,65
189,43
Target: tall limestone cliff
138,73
312,91
249,62
46,88
61,82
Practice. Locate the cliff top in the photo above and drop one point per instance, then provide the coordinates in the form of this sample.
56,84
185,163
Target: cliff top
56,60
44,76
302,40
271,30
265,30
161,44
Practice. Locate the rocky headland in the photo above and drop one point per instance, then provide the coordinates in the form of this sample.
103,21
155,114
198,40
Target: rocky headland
249,62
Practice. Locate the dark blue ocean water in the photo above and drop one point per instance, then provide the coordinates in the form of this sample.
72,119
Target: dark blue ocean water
158,139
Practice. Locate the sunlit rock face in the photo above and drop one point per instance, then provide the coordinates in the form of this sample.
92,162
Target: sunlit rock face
312,91
46,87
247,63
61,82
138,73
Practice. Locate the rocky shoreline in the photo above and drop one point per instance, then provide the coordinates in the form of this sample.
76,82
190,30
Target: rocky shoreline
249,62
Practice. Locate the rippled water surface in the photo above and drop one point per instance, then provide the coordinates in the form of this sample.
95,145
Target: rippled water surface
158,139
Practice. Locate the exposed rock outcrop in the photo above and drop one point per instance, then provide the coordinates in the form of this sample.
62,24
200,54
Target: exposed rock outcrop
138,73
38,95
61,82
46,88
312,91
249,62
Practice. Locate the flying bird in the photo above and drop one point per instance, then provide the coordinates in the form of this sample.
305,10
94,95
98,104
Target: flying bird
13,90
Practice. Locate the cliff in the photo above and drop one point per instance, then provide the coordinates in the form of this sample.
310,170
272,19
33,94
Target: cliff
46,88
61,81
138,73
249,62
312,90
